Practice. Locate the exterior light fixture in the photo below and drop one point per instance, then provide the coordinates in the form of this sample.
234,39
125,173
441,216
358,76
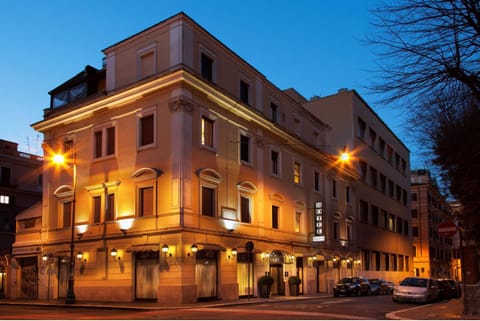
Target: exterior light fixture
114,253
81,229
194,248
125,224
44,257
165,249
234,251
80,255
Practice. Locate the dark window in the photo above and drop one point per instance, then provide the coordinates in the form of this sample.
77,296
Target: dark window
390,188
383,183
387,261
110,208
110,141
98,144
414,231
373,177
146,201
361,128
363,211
245,209
245,148
373,137
274,157
274,112
414,196
6,176
385,219
244,87
207,132
399,225
208,201
375,214
363,170
377,261
274,216
316,181
97,208
146,130
334,189
336,230
207,67
381,147
347,194
67,214
414,213
405,227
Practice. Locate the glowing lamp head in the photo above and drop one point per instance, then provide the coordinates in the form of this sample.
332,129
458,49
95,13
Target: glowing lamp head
344,157
58,159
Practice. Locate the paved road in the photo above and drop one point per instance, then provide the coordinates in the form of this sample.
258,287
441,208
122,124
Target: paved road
345,308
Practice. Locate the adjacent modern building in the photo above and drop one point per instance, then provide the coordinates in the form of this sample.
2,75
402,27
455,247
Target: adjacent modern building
382,227
434,256
189,175
20,189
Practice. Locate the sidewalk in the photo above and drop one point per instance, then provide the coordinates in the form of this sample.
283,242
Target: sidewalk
445,310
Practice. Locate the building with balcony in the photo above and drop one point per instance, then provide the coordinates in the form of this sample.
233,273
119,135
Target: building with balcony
20,189
189,175
383,222
434,254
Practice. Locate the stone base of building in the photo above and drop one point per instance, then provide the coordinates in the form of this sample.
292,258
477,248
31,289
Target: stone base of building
177,294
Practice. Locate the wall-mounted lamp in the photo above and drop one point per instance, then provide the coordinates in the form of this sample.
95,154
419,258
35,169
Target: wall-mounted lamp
165,249
125,224
80,255
265,257
114,253
234,251
44,258
81,229
230,230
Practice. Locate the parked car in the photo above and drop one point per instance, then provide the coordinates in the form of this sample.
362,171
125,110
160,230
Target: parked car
352,286
449,288
416,289
379,286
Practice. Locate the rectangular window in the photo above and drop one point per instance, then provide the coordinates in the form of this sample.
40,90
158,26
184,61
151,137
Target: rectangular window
316,181
334,189
366,260
110,208
383,183
375,215
381,147
298,220
378,264
274,216
363,170
347,194
361,128
245,148
373,138
110,141
414,231
98,141
404,197
363,211
207,67
385,219
245,209
274,112
414,213
387,261
297,173
5,176
208,201
336,230
373,177
390,188
399,225
349,233
147,130
391,222
244,88
398,193
4,199
207,132
405,227
97,209
67,214
274,156
146,201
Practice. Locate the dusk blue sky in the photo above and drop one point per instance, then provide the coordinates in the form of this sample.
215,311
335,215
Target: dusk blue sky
314,46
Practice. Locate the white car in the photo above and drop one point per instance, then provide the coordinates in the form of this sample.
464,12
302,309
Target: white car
413,289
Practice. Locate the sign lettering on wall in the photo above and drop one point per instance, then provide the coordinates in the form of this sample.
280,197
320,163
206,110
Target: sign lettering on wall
319,235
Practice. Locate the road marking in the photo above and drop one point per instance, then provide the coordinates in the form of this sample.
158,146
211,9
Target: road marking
286,312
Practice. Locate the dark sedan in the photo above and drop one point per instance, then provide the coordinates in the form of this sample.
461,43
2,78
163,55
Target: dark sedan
352,286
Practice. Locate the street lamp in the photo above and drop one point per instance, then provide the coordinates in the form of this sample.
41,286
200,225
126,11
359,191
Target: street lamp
60,160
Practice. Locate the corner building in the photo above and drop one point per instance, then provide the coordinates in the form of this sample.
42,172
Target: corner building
180,153
382,226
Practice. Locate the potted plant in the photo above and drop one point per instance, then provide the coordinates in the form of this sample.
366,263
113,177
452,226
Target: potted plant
294,285
264,285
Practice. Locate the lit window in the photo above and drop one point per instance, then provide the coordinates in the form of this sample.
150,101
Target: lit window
207,132
298,220
4,199
297,173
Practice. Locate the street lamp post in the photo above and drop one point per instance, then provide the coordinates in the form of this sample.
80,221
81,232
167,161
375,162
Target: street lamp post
60,159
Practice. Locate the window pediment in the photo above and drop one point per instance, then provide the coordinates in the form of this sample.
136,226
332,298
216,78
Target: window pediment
210,175
247,186
63,191
146,173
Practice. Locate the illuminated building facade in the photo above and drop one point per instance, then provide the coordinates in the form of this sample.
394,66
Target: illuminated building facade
179,154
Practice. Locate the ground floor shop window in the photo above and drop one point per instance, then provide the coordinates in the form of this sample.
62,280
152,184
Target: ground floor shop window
206,274
245,274
146,275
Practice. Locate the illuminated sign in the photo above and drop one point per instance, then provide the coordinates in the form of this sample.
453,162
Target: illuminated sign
318,213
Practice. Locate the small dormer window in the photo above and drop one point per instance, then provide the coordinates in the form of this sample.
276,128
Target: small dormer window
69,95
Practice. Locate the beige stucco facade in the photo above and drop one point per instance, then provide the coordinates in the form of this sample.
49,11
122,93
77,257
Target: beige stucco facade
196,150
